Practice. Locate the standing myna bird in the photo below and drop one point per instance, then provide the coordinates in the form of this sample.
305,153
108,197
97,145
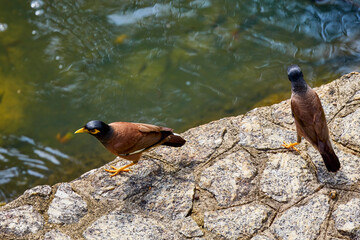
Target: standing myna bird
310,118
130,140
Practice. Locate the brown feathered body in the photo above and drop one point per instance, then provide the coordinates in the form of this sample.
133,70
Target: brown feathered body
311,123
130,140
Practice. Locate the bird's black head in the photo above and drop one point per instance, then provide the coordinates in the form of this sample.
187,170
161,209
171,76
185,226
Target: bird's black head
296,77
294,73
96,128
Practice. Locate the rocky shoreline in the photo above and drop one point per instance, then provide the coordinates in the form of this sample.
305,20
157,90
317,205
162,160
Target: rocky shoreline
231,180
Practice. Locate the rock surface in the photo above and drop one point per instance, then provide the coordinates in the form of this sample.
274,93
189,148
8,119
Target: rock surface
231,180
237,222
67,206
130,226
56,234
20,221
282,169
302,222
347,218
236,183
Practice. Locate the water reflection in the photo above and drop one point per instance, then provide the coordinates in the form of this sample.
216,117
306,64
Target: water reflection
159,10
24,160
178,64
3,27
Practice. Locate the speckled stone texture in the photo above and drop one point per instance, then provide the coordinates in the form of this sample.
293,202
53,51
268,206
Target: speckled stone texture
347,218
56,235
302,222
189,228
42,191
118,225
67,206
20,221
231,180
236,183
237,222
262,237
282,169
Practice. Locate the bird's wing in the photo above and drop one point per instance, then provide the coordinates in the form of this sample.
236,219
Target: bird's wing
146,128
320,124
132,137
149,136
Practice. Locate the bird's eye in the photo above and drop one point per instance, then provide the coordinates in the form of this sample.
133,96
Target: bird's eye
94,131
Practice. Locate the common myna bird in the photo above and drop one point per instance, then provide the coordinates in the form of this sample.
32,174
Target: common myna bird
310,118
130,140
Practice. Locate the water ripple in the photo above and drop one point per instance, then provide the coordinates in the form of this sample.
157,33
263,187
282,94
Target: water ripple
24,160
174,63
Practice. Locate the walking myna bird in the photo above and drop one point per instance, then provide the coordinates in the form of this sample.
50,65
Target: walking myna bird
310,118
130,140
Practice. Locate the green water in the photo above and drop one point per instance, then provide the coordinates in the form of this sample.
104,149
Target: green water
172,63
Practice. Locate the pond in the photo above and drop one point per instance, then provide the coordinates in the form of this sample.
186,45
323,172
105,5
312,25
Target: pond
171,63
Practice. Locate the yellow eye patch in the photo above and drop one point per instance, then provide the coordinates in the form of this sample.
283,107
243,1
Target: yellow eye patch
94,131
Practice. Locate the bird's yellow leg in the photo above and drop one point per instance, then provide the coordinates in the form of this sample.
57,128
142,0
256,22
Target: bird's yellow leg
116,171
291,145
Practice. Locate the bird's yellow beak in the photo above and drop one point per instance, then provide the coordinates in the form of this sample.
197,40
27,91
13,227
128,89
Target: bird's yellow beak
81,130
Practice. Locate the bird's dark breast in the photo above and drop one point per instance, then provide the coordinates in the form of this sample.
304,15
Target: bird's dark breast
302,106
305,105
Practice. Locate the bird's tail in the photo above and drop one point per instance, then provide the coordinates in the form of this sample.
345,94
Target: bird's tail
330,159
174,140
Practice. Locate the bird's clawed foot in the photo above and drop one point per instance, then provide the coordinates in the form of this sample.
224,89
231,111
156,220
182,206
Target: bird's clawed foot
115,171
290,145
